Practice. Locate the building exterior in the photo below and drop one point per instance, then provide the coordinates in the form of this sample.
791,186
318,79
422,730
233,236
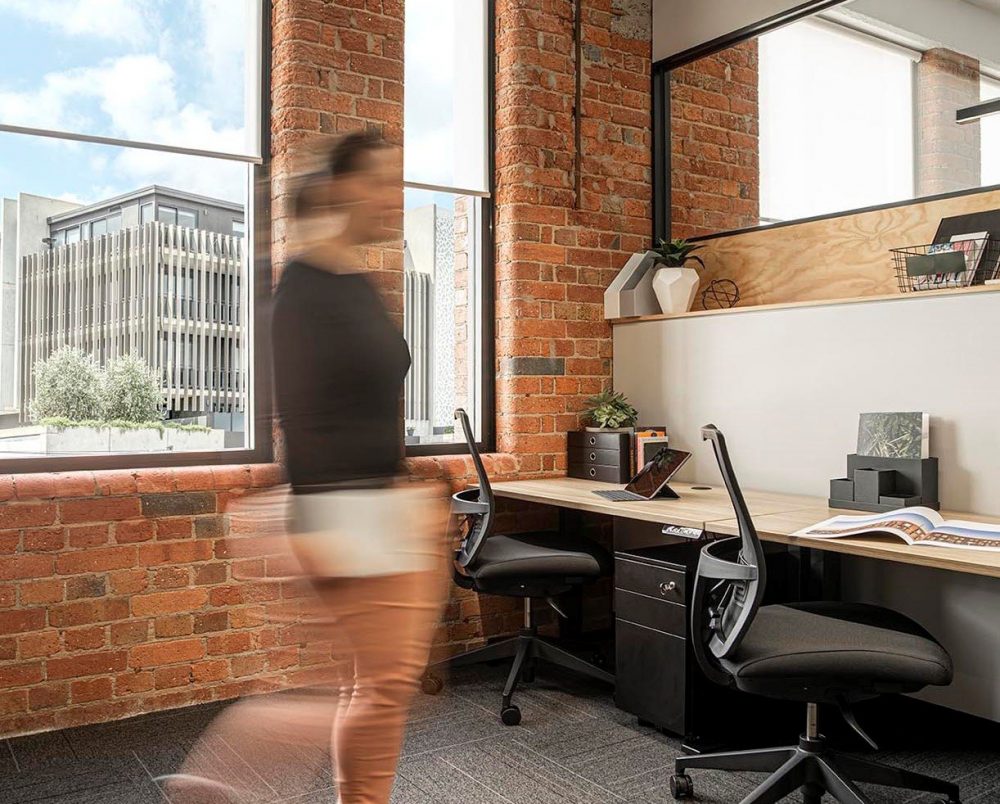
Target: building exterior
158,272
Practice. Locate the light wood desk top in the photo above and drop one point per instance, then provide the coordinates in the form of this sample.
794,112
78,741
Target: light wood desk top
776,517
698,504
778,527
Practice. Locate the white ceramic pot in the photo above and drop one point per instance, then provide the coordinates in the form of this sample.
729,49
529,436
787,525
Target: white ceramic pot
675,289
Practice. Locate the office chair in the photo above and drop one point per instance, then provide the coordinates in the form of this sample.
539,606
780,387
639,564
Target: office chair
522,565
820,652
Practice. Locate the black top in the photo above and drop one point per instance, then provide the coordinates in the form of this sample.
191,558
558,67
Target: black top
339,365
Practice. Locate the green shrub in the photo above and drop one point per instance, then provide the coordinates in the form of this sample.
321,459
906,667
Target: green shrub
68,384
131,392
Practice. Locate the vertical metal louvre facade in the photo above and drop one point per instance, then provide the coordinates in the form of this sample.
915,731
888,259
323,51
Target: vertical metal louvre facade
177,297
418,329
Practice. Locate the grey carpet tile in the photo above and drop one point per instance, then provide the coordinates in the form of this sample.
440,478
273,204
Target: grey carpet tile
574,747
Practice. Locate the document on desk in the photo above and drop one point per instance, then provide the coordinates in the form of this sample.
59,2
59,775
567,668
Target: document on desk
919,525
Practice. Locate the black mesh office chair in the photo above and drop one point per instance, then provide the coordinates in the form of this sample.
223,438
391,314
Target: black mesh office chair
523,565
822,652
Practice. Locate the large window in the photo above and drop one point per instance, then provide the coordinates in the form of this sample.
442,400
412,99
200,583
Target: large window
447,260
129,144
836,122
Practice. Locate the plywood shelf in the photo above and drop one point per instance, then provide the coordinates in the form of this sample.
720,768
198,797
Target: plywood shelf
754,308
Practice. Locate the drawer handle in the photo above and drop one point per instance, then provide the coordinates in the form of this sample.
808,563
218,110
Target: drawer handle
593,440
593,456
593,473
666,588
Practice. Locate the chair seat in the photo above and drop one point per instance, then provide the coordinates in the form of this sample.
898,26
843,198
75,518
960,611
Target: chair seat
539,555
826,651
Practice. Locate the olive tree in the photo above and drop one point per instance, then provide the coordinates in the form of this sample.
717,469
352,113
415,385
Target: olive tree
131,391
68,384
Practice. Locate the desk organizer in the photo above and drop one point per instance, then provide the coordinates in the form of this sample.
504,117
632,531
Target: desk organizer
599,456
885,484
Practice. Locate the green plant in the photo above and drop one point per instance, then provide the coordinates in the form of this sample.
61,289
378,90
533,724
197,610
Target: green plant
68,385
130,391
677,253
609,409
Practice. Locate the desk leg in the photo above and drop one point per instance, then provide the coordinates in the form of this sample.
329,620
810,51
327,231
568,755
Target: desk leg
819,574
571,626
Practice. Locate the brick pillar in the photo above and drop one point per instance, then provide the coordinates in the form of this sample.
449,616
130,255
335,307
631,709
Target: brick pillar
556,253
337,67
715,149
948,155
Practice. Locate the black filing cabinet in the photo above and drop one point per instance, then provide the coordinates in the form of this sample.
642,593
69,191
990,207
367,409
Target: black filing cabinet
599,456
657,678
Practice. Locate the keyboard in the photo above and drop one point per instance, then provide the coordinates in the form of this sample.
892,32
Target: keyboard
616,495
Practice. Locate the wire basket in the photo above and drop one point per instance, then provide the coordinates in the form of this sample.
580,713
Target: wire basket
940,266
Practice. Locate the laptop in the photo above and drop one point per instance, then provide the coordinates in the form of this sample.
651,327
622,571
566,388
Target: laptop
650,481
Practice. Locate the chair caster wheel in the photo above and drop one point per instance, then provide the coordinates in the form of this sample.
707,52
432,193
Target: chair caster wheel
681,786
431,685
510,715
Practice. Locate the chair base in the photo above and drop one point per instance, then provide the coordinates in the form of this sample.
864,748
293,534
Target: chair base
527,648
811,767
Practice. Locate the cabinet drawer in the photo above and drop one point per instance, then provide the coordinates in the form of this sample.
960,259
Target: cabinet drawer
619,442
651,675
651,612
650,580
606,474
593,455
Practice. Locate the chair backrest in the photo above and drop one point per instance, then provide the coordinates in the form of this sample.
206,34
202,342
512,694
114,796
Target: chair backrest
730,580
475,505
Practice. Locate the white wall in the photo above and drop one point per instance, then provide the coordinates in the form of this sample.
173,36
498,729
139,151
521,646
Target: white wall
786,386
681,24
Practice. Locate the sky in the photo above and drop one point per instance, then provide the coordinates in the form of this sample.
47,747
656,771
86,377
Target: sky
165,71
174,71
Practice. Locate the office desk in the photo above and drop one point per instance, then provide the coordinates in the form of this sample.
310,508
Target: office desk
698,505
779,527
776,516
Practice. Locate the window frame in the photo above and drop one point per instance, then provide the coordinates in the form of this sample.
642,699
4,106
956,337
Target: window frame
258,211
487,271
661,139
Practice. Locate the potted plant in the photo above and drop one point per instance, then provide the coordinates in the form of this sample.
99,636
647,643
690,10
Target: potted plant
610,412
674,284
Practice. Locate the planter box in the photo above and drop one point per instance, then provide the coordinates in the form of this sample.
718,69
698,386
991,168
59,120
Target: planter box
47,440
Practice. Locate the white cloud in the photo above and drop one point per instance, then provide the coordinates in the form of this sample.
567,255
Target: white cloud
119,20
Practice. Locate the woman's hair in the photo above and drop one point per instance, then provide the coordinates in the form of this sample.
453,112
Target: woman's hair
349,154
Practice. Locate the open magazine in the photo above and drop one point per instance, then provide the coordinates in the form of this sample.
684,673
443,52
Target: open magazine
918,525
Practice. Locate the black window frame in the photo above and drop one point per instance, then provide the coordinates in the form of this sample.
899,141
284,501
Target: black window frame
261,405
660,88
487,277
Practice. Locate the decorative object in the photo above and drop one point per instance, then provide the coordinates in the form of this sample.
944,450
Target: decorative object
674,284
891,469
610,411
631,292
894,435
721,294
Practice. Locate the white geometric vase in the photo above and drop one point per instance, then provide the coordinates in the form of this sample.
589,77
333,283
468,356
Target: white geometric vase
675,289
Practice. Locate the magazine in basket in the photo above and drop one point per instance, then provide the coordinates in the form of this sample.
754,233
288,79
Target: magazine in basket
918,525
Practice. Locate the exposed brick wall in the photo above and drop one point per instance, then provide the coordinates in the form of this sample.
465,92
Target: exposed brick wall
555,256
948,156
120,592
119,595
715,164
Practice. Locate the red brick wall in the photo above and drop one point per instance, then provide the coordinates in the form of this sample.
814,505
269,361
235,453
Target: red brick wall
714,143
556,254
118,595
119,592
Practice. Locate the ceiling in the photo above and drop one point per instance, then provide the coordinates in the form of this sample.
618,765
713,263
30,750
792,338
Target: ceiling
989,5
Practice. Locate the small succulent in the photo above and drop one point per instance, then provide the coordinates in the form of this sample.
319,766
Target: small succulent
677,253
611,410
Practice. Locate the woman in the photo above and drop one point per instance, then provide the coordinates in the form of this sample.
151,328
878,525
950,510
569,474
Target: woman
372,545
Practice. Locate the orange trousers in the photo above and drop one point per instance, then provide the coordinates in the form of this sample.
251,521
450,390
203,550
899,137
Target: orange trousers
384,626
